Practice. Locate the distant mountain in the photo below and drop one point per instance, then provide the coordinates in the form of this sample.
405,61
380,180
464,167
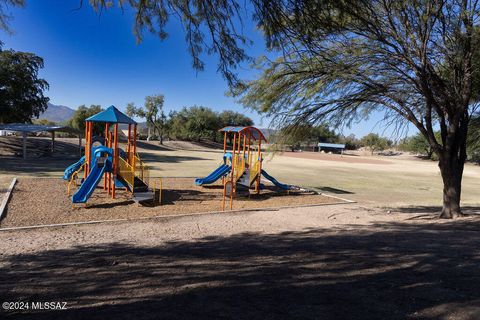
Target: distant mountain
57,113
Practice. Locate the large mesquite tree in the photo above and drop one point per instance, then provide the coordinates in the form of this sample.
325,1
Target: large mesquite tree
413,60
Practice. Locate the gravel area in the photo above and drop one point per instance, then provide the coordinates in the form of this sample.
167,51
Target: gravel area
39,201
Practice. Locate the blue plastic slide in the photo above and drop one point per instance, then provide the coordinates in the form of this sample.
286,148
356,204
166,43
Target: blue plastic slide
275,182
89,184
214,176
72,168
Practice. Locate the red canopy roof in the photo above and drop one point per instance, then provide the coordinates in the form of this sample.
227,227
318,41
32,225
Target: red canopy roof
249,131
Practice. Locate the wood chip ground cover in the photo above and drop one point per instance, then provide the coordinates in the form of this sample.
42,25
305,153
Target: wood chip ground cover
39,201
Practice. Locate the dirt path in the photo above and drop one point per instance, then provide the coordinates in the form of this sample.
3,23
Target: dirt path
333,262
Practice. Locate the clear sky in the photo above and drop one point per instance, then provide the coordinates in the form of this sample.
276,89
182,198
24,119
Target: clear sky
94,59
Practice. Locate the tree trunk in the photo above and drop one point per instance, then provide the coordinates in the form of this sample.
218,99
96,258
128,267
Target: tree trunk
451,168
159,129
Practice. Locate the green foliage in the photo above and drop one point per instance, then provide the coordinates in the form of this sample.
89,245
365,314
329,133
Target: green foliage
21,91
194,123
375,143
232,118
153,112
473,140
350,141
78,119
198,122
419,145
44,122
295,136
131,110
323,133
292,137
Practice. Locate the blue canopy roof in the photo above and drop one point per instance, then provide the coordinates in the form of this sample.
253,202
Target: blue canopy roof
250,131
111,115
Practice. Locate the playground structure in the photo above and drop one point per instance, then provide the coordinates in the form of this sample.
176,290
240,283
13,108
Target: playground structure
241,168
119,168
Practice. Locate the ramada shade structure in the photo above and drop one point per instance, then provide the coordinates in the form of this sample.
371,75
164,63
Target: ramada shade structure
26,128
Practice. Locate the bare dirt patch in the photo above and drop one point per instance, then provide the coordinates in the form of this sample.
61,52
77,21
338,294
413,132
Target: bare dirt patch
38,201
333,157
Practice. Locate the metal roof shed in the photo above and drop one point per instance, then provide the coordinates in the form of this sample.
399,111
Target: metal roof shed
331,145
26,128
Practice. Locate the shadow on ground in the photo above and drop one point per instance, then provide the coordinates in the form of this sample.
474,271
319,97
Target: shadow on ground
40,167
201,146
152,146
46,166
433,211
209,144
37,147
389,271
165,158
334,190
111,205
171,196
40,161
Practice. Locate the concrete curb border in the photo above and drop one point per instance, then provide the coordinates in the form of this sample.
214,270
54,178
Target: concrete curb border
6,197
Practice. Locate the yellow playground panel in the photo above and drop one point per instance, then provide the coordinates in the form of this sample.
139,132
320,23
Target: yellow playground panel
119,168
245,160
241,168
